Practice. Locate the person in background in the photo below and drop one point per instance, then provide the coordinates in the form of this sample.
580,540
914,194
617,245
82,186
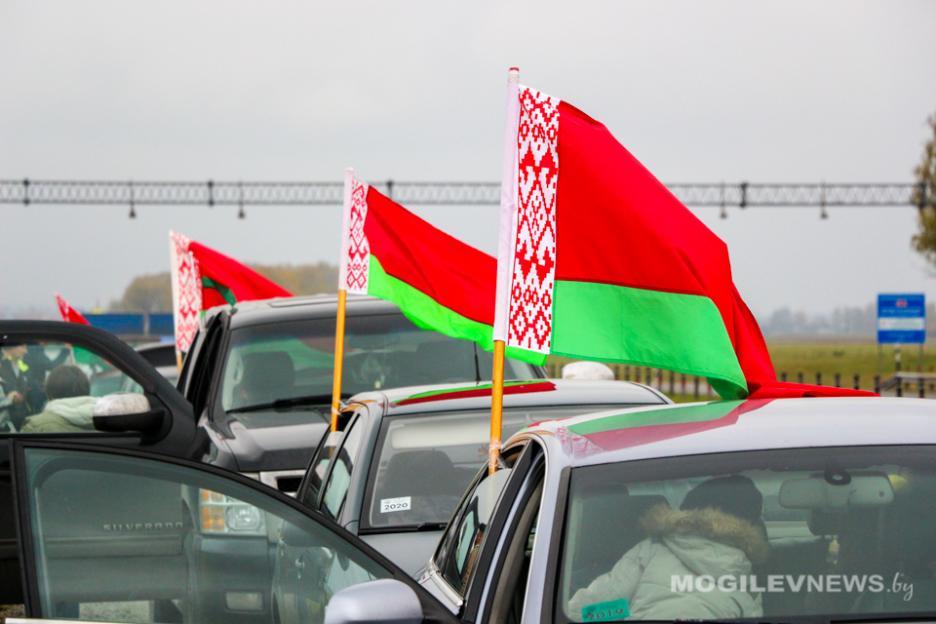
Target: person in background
70,407
716,532
40,365
13,376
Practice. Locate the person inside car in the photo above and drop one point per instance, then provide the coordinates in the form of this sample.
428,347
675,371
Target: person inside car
70,406
717,532
15,379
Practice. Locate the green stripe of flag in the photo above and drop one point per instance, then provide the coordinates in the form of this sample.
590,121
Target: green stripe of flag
678,332
427,313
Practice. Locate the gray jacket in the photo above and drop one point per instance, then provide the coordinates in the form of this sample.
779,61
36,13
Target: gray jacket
684,544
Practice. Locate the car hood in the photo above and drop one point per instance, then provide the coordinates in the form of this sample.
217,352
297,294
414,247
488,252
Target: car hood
260,448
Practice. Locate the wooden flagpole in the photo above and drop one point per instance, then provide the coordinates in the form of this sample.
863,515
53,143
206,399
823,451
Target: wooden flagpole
497,407
342,304
504,263
339,358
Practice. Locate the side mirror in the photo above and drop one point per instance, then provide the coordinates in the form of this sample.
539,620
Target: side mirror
119,413
386,601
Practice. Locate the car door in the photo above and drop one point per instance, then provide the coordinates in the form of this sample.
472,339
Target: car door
70,382
84,560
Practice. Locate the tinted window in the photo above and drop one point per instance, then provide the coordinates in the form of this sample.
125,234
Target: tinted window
339,480
847,533
288,360
191,546
461,544
318,468
51,387
425,461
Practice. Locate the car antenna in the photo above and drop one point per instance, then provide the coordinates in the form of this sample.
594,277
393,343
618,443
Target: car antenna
477,363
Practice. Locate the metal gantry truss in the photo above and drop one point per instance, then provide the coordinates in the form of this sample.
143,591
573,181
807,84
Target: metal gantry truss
240,194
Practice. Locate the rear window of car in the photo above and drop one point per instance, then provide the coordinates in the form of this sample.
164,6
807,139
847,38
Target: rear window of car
424,462
841,533
289,360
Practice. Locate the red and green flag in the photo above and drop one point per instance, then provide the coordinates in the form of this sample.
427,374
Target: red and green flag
439,282
598,260
203,278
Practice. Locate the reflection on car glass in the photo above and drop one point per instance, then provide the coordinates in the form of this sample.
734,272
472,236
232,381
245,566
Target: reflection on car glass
280,361
821,532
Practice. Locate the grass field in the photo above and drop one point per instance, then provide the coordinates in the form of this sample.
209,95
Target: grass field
827,358
846,358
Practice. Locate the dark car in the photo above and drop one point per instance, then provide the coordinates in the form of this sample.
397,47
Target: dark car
259,376
406,455
257,379
151,415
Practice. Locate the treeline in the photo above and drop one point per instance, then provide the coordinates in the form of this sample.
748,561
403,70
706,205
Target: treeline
153,292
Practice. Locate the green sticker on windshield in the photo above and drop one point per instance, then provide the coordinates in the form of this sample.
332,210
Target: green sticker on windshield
609,611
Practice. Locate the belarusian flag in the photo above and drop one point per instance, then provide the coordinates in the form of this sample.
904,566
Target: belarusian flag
440,283
598,260
69,314
203,278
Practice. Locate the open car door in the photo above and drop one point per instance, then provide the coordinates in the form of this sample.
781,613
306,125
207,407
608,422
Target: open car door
87,557
74,383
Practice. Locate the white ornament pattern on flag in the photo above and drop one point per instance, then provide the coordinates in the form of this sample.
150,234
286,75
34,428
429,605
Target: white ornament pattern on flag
64,308
188,307
529,321
357,259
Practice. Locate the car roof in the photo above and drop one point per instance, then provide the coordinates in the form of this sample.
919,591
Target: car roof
529,393
280,309
729,426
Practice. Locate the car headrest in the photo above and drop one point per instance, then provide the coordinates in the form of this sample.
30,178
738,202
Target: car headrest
269,374
424,472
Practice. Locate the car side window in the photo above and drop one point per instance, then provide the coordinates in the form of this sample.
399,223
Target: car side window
125,538
54,387
199,388
317,472
318,469
460,547
339,478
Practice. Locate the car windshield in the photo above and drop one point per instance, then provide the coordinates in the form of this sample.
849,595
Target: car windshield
845,533
424,462
293,360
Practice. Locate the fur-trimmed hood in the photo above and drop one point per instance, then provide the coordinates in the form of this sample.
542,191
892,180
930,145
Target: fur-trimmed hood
675,527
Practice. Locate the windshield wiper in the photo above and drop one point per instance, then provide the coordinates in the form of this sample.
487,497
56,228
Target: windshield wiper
285,404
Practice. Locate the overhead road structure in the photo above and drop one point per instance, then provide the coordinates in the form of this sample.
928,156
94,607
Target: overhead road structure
241,194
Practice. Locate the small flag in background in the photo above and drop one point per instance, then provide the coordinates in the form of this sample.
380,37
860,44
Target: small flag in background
203,278
69,314
598,260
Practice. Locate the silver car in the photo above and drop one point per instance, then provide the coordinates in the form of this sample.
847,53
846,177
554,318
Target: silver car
792,508
406,455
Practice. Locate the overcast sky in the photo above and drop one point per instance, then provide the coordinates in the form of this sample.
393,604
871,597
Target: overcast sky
699,91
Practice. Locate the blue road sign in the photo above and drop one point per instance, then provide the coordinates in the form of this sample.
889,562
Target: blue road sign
901,318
